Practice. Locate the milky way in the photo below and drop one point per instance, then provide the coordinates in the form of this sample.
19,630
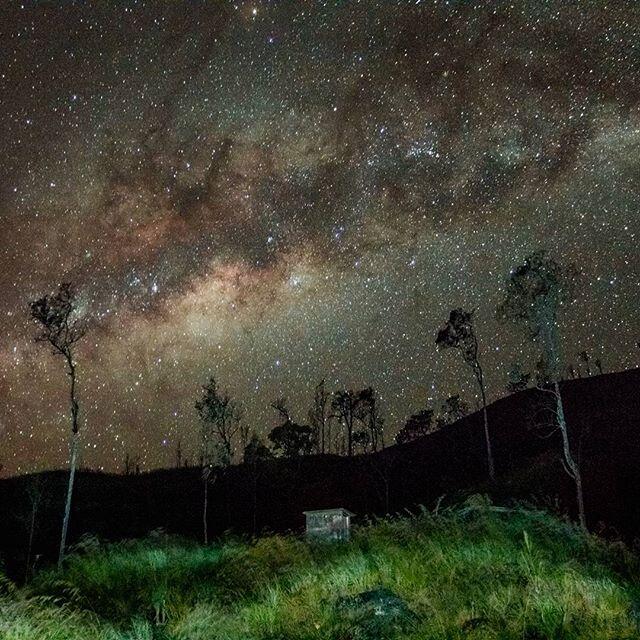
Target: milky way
277,192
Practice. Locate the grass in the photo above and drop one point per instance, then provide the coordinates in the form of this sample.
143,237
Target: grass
470,572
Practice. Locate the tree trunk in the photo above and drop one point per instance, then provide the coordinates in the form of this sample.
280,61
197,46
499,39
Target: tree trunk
492,470
67,507
74,456
572,465
490,463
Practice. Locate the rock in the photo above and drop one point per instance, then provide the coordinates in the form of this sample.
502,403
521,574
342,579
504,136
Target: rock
372,615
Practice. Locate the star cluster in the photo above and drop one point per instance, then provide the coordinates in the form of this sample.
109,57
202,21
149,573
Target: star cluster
279,192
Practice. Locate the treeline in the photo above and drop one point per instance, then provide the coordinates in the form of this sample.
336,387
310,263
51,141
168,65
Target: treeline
349,421
342,422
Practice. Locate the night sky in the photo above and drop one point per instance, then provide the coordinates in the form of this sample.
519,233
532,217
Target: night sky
274,192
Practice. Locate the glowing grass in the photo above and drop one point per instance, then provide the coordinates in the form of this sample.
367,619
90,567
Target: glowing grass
471,572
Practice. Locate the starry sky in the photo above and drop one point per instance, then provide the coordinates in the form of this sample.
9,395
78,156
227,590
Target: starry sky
273,192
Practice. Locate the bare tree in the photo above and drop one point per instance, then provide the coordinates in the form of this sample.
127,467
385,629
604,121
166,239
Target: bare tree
62,329
533,294
319,416
220,423
460,334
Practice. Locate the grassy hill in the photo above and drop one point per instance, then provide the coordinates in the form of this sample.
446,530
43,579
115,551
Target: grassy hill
473,571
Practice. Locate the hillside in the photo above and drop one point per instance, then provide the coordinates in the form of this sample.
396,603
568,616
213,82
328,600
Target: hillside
475,571
603,413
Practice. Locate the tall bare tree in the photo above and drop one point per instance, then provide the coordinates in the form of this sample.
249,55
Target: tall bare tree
533,294
459,333
61,328
220,424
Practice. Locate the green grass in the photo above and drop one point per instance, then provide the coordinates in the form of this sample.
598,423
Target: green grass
474,572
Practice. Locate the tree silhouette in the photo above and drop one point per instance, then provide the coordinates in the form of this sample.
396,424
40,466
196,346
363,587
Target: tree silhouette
361,440
292,439
418,425
256,451
220,423
220,417
460,334
289,438
454,408
62,329
533,294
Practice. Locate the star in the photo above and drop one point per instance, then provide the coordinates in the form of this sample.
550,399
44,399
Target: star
304,189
